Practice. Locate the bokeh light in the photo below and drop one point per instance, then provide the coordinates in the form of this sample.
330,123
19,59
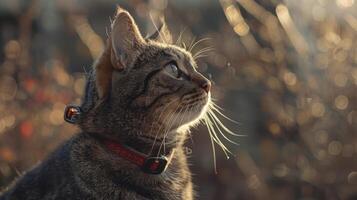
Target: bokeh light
285,70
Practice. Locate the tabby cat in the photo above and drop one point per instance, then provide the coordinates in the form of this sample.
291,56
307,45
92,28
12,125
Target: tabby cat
140,100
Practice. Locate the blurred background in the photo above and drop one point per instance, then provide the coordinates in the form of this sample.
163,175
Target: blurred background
285,70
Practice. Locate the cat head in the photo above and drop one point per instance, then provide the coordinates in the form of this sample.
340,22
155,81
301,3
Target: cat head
143,87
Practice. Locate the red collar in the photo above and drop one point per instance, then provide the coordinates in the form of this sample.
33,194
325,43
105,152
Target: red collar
148,164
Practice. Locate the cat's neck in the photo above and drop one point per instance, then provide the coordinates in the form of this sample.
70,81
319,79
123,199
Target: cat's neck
150,146
89,157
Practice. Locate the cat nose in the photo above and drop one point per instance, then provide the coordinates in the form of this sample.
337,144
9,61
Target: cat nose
202,82
206,86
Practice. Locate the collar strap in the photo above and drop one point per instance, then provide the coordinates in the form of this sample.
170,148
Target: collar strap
148,164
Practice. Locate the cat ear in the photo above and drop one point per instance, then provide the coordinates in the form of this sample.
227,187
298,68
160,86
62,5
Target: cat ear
162,34
103,72
126,39
123,46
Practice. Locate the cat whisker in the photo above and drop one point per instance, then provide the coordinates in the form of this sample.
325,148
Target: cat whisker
170,115
110,21
218,121
85,71
190,113
157,133
191,44
183,44
168,118
168,130
198,42
204,49
162,37
183,114
201,52
220,124
215,127
179,39
213,148
213,124
218,109
209,115
107,32
201,56
216,138
171,120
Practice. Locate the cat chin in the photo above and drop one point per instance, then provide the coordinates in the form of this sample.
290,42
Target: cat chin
190,119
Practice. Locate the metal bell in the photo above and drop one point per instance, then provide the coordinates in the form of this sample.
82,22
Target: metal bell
72,113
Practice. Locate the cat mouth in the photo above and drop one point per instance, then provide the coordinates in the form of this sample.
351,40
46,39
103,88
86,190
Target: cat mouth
195,99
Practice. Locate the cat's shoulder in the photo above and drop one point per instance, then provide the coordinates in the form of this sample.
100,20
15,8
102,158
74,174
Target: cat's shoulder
47,177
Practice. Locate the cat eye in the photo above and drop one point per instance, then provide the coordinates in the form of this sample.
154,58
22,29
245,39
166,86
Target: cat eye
172,69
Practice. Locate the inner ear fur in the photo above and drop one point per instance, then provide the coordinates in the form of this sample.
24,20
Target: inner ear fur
126,39
103,72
